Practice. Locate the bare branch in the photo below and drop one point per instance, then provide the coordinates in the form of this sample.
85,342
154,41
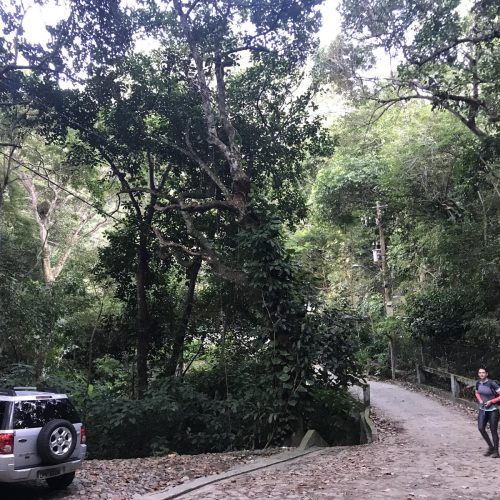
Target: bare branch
251,48
70,243
172,244
42,223
17,67
199,207
210,255
191,153
486,37
230,152
95,228
222,105
191,7
472,126
153,192
177,204
34,171
207,251
13,104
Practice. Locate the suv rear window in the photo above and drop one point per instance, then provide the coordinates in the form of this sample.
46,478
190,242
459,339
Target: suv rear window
32,414
3,410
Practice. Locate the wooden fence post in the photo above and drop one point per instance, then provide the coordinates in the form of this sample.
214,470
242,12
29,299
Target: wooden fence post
366,395
455,386
420,375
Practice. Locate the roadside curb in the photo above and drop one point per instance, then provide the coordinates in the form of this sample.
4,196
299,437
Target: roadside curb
200,482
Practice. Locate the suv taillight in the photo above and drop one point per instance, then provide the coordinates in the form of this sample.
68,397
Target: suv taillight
83,435
7,444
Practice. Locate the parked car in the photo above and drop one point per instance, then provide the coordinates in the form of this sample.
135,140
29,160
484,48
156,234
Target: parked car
41,437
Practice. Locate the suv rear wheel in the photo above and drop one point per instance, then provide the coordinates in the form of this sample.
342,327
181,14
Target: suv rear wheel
60,482
56,441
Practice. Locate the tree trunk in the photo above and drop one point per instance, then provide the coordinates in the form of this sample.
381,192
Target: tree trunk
178,344
90,362
6,173
393,361
48,275
143,320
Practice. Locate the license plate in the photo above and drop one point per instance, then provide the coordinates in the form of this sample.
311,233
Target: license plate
44,474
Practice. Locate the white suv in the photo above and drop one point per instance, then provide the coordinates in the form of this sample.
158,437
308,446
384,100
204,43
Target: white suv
41,437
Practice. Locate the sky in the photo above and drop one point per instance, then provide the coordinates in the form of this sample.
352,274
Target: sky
331,22
38,16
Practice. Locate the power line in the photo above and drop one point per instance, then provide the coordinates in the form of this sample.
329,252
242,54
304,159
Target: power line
46,178
72,122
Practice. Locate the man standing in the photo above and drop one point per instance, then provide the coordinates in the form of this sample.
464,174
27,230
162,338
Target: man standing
487,395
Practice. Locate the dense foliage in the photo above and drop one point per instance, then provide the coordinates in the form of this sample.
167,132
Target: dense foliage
184,163
421,143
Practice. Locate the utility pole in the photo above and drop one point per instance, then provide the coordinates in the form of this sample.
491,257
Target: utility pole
388,307
383,263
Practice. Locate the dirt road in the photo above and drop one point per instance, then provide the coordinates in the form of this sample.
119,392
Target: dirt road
436,455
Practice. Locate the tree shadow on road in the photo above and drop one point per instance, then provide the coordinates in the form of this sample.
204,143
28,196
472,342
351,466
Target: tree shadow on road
32,490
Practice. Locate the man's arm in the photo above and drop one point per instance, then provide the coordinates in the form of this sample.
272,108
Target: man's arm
496,388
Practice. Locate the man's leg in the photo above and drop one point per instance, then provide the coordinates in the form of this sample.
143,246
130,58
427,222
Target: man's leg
494,417
482,420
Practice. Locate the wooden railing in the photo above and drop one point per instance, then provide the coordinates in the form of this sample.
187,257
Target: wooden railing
457,382
366,394
361,391
368,431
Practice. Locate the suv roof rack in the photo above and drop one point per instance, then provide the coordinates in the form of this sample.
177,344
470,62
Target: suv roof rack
25,388
7,392
50,389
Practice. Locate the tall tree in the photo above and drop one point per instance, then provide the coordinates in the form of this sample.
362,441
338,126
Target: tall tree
174,126
41,172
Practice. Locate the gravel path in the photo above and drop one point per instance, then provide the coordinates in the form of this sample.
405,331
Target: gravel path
431,450
123,479
428,448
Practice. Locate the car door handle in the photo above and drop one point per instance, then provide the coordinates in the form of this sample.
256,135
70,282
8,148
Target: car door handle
22,440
